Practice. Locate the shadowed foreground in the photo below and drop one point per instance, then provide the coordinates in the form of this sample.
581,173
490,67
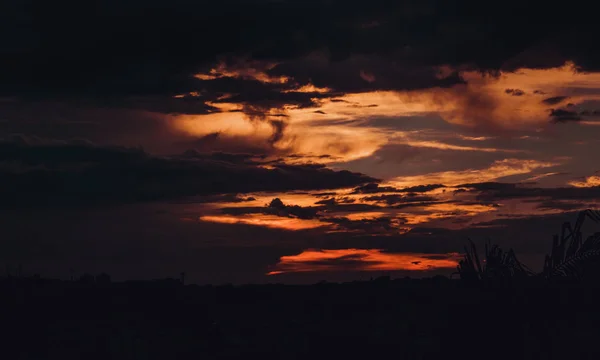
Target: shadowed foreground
402,319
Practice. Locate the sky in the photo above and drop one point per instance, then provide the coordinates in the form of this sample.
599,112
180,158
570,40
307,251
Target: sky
291,141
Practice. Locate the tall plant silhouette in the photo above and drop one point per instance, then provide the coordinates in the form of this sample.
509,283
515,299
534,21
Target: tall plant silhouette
497,264
571,257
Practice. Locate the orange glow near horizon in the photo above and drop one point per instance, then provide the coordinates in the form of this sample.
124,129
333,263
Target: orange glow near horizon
362,260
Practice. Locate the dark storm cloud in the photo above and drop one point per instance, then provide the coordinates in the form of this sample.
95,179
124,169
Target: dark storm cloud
558,205
278,208
393,199
228,198
554,100
348,75
489,186
335,201
54,173
561,115
380,225
225,143
345,262
374,188
492,191
322,212
260,94
117,49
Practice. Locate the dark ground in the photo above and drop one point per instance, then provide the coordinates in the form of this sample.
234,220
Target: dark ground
399,319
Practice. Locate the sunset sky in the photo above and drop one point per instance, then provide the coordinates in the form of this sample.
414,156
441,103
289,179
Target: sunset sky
291,141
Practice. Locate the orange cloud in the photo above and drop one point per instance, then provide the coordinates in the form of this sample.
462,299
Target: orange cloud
591,123
269,221
589,181
362,260
341,143
483,100
443,146
498,169
252,71
340,126
475,138
309,88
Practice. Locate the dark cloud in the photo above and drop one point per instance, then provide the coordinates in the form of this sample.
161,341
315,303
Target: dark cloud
561,115
219,198
226,143
152,48
335,201
393,199
323,212
515,92
492,191
349,262
554,100
278,208
560,205
381,225
348,75
330,201
54,173
422,188
489,186
374,188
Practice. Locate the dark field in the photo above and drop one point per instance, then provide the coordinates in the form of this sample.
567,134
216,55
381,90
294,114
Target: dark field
400,319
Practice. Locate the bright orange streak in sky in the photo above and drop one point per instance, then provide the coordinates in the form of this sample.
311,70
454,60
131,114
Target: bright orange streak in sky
270,221
497,170
363,260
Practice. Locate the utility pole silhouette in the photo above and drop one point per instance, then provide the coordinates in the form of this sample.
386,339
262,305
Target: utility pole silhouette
182,278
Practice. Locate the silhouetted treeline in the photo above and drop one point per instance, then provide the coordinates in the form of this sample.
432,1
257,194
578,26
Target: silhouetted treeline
403,319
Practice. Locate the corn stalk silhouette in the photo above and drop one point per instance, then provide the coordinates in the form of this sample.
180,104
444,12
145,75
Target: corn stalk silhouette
571,256
569,259
497,264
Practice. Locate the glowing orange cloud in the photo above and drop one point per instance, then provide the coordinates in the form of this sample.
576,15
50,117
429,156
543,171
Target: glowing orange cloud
270,221
362,260
443,146
309,88
475,138
340,127
498,169
592,123
339,142
590,181
244,71
541,176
